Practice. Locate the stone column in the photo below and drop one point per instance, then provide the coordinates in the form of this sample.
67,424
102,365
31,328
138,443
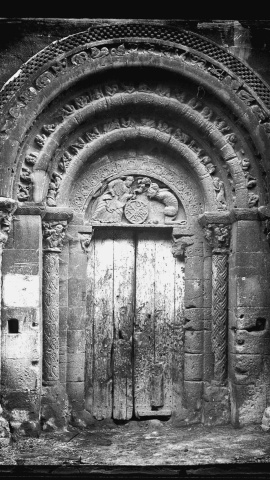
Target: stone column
218,236
53,235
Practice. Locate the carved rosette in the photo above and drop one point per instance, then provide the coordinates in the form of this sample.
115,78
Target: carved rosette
218,236
53,235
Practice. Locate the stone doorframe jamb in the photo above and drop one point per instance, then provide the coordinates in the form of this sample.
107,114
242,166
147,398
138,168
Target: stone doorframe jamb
217,231
7,208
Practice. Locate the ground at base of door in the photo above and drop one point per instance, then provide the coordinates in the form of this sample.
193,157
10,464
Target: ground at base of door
149,443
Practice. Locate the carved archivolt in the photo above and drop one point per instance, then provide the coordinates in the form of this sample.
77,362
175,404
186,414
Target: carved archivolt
203,113
199,65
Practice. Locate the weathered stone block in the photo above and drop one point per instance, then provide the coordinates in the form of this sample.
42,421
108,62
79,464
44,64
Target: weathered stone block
207,268
208,367
75,391
252,291
194,318
23,261
207,293
207,341
193,395
76,291
54,407
19,375
207,318
194,268
248,403
77,261
76,368
245,369
216,408
194,293
63,345
196,249
63,292
193,366
76,341
28,400
251,318
62,372
76,318
242,341
266,369
27,232
63,320
21,345
193,341
253,242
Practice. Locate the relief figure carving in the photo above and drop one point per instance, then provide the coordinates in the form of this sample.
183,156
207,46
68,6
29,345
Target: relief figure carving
53,189
111,203
134,199
53,235
167,198
220,192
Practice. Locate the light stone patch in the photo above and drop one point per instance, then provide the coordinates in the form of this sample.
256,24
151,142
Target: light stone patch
21,290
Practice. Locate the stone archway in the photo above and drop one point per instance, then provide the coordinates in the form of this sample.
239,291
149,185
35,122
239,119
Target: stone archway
143,100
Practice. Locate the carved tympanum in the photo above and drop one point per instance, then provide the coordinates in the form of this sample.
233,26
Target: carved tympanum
135,200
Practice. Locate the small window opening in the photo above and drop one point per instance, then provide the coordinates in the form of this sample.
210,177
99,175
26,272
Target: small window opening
13,325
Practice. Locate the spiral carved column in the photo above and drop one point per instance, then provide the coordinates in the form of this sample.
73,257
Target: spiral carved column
218,236
53,234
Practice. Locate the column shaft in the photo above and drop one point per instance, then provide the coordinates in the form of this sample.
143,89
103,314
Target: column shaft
50,317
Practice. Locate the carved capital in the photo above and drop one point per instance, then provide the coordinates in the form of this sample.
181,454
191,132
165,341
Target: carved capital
7,208
53,235
85,240
218,236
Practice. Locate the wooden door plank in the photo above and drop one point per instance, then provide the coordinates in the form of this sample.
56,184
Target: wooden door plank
164,321
178,344
89,331
144,323
124,266
103,326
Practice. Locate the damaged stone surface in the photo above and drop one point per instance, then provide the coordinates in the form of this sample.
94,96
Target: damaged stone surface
145,443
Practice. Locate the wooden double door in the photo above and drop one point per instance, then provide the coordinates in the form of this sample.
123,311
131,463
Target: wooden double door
134,333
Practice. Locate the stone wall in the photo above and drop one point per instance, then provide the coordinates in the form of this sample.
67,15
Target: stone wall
225,344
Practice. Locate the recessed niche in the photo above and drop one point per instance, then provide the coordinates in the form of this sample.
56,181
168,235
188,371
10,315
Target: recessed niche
13,325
